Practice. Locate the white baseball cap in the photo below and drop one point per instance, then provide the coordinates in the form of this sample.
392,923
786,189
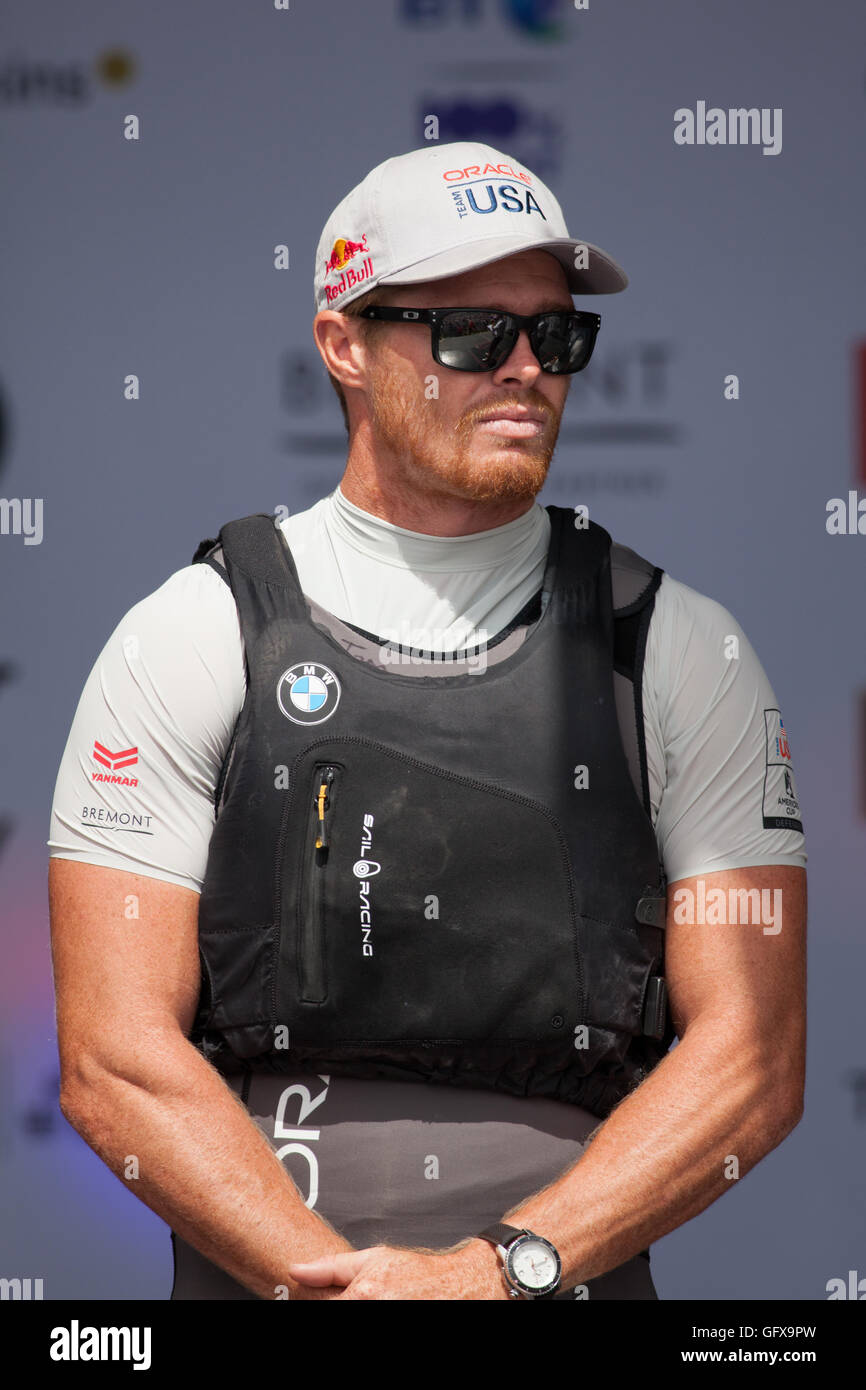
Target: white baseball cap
441,210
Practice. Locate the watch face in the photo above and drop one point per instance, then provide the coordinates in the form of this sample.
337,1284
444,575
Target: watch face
534,1264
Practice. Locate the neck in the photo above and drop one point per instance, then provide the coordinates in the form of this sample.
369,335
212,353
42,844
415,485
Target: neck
426,510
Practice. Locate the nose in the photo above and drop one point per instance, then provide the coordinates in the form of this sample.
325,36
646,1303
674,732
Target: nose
521,366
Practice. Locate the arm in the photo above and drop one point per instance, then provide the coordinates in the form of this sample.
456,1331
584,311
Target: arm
733,1085
127,984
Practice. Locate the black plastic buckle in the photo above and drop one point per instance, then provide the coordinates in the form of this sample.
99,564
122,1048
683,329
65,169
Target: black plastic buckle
652,911
655,1006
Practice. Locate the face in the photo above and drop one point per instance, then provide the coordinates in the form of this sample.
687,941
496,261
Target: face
439,443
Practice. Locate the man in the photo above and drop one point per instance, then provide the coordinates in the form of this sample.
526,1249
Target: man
471,766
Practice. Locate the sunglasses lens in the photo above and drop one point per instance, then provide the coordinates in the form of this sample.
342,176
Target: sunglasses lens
565,343
480,341
468,340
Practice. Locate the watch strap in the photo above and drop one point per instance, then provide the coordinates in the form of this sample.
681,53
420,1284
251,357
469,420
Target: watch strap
501,1234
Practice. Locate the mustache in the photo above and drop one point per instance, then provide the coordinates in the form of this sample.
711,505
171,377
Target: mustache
481,412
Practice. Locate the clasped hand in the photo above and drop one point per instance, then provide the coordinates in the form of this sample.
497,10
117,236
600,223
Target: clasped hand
386,1272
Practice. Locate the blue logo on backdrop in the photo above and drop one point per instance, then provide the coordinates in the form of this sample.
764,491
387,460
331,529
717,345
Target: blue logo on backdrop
533,137
308,693
534,17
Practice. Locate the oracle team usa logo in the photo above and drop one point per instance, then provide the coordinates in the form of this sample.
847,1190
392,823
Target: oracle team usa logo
308,693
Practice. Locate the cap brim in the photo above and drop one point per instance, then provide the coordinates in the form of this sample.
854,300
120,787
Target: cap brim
602,276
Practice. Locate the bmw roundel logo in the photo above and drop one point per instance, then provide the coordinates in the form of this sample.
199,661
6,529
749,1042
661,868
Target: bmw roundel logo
308,693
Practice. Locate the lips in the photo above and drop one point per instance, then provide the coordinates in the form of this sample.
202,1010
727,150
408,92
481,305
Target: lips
510,422
509,413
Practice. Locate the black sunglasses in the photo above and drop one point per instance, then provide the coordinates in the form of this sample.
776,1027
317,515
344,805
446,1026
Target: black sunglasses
480,340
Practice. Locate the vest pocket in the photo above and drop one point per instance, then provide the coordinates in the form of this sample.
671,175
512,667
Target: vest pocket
617,968
436,908
311,896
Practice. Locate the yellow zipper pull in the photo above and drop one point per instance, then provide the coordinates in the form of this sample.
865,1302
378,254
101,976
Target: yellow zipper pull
321,803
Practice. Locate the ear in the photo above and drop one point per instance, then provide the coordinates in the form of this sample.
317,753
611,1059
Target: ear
338,338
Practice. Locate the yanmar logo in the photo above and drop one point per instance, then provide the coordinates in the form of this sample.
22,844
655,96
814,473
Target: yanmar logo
123,757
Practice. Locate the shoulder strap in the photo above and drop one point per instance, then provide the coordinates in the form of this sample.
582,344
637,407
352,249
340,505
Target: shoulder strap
256,548
210,552
635,582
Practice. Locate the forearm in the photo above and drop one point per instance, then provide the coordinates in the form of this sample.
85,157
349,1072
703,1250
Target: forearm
663,1155
203,1166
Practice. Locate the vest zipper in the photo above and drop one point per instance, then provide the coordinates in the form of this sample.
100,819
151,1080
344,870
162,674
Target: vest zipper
314,984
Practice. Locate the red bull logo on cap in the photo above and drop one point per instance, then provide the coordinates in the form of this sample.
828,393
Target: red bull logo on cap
343,251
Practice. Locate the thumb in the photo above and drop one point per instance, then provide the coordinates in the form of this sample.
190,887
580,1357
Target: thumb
330,1269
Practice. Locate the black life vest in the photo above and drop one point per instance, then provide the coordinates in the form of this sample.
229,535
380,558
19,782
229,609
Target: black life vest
445,878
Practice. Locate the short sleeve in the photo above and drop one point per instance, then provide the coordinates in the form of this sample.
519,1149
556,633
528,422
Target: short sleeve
135,788
718,751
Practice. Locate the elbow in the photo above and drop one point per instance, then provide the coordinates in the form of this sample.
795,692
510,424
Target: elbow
71,1107
95,1072
795,1108
78,1093
785,1119
82,1080
783,1108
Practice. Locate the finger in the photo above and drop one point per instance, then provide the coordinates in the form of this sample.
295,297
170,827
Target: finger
330,1269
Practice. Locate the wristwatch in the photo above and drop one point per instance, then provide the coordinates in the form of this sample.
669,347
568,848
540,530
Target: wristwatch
530,1264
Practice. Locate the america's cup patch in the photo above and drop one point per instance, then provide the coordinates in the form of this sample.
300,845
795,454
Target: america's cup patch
308,693
781,807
